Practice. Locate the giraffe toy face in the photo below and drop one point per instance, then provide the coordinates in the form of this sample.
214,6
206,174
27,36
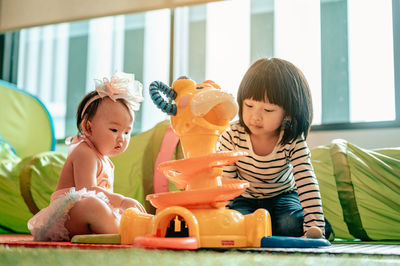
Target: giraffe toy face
199,114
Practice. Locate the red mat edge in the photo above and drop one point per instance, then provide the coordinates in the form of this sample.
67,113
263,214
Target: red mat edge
25,240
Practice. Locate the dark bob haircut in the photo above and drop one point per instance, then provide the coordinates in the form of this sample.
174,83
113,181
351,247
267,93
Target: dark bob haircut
282,84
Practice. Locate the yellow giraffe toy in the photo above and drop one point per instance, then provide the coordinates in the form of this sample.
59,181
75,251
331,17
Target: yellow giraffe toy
196,217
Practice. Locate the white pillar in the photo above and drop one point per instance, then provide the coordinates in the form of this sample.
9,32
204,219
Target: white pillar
228,43
100,51
298,40
372,96
156,62
181,42
45,63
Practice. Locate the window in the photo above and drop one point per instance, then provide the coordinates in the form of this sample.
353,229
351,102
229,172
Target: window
344,47
357,51
59,62
348,50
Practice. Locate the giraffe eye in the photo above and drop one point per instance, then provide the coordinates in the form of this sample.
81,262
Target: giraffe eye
199,87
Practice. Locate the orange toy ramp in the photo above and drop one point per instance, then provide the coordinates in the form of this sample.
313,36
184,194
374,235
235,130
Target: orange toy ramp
24,240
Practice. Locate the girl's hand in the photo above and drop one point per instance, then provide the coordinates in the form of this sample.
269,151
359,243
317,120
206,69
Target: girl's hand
313,232
131,203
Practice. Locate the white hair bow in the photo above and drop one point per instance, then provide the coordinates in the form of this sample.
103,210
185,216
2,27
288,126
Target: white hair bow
121,85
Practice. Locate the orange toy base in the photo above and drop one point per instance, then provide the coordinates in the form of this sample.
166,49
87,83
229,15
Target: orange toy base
170,242
229,190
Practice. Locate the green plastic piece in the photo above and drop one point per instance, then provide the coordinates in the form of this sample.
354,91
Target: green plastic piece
97,239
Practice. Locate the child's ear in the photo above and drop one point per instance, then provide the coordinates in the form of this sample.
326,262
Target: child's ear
288,118
86,127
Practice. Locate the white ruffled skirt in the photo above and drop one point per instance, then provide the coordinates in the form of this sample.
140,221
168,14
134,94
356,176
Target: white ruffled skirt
48,224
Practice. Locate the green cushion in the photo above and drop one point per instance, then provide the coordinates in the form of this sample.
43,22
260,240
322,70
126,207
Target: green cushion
13,211
38,178
25,122
25,186
360,190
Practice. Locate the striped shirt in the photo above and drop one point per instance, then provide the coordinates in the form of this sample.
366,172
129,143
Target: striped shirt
287,168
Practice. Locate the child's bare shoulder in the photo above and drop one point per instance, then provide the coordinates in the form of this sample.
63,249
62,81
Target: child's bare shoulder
82,153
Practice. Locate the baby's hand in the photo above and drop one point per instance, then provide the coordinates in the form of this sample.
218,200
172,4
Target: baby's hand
129,203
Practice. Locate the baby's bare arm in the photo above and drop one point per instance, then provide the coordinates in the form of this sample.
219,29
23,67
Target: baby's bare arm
119,201
85,165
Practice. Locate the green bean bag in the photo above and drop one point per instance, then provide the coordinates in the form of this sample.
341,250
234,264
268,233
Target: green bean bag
360,190
25,122
26,130
25,186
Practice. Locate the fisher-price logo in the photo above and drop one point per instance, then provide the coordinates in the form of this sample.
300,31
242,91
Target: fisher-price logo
227,242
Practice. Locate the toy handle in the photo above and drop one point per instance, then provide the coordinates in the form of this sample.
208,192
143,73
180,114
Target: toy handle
167,107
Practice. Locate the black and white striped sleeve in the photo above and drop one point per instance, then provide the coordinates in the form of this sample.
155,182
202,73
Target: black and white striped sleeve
307,185
226,144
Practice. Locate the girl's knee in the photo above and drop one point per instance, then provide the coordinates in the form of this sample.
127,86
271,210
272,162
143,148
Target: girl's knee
288,225
242,205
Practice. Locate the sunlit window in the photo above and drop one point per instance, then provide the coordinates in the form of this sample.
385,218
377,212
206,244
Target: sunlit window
371,85
344,47
59,62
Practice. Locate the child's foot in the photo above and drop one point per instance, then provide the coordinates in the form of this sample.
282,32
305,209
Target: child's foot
314,232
